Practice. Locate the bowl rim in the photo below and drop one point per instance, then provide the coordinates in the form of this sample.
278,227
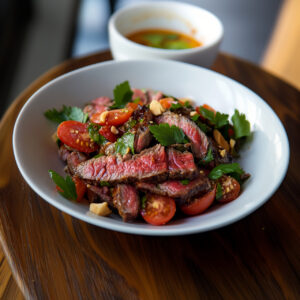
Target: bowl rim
113,28
155,230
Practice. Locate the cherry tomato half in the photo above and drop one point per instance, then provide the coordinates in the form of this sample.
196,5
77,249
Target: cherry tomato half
75,135
230,188
113,117
106,132
158,210
199,205
80,188
134,105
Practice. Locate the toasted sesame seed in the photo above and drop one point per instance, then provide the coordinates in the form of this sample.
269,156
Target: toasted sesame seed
114,130
227,190
88,186
81,143
87,144
72,130
116,117
77,141
231,187
76,131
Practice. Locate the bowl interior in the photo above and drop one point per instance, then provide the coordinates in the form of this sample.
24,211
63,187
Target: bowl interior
181,17
265,156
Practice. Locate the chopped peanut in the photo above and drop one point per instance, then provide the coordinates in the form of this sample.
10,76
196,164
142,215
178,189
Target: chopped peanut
222,152
220,139
114,130
193,113
103,116
100,209
232,143
156,108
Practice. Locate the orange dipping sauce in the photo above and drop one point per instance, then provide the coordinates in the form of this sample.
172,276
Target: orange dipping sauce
164,39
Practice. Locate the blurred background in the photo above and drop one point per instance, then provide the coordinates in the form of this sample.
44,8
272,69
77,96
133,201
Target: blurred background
36,35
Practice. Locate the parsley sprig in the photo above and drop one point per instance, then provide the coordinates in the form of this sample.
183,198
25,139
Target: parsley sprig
240,124
122,95
66,186
66,113
217,119
168,135
233,169
124,142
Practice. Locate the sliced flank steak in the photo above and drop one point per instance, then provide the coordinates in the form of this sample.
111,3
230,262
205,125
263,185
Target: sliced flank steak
197,137
149,164
176,188
181,164
126,200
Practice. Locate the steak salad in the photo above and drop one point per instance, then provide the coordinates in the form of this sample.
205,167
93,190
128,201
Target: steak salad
148,154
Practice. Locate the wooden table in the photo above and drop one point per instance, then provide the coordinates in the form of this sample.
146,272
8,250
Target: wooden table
54,256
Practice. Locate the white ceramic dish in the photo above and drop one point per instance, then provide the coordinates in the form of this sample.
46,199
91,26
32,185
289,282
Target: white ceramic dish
189,19
265,157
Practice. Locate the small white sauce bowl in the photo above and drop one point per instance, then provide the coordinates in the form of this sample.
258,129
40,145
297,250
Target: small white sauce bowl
189,19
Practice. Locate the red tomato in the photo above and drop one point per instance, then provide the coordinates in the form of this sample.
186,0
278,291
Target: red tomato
230,132
80,188
113,117
166,102
159,209
106,132
75,135
199,205
230,188
133,105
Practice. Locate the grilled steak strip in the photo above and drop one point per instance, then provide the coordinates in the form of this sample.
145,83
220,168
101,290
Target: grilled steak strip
149,164
126,200
96,193
197,137
74,159
175,189
181,164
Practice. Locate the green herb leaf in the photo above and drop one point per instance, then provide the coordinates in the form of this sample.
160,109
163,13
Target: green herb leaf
143,202
219,192
131,123
65,114
185,181
122,95
167,135
175,106
201,125
66,185
240,124
222,169
218,119
208,158
95,135
127,140
98,155
104,183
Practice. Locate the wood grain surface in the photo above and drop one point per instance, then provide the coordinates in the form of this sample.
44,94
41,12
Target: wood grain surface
55,256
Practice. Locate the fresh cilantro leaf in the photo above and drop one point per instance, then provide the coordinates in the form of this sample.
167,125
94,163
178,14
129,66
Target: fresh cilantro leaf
178,105
95,135
240,124
175,106
125,141
219,192
185,181
104,183
143,202
141,120
67,186
217,119
167,135
136,100
201,125
169,96
67,113
222,169
132,123
122,95
208,158
98,155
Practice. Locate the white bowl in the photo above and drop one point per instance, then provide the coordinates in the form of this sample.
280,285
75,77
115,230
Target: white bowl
186,18
265,157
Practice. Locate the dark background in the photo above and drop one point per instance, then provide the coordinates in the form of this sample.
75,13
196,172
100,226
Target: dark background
36,35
